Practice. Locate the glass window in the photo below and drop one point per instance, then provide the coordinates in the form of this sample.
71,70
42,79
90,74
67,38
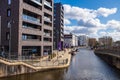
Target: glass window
24,37
8,24
8,12
9,2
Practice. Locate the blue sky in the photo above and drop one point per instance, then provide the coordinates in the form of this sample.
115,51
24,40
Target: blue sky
107,15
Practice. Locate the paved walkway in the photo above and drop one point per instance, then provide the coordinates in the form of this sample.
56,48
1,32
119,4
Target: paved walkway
61,60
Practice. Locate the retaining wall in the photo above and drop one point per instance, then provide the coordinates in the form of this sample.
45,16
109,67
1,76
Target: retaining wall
110,58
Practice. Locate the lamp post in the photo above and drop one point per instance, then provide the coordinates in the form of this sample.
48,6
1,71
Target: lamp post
9,25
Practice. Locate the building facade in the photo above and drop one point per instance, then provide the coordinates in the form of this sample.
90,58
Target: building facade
83,40
105,41
70,40
58,26
116,44
27,26
0,31
92,42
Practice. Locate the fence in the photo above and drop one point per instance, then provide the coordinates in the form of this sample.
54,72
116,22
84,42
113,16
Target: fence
110,50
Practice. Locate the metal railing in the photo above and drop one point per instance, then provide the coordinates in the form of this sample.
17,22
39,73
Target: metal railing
114,51
48,63
36,61
30,18
47,4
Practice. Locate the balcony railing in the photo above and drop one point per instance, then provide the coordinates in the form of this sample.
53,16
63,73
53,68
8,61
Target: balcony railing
37,2
47,34
31,28
47,19
30,18
47,4
31,39
26,37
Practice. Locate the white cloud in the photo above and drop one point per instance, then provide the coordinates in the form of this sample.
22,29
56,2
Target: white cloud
114,24
106,12
67,21
77,13
88,20
115,34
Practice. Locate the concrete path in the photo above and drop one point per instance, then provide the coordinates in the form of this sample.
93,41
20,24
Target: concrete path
61,60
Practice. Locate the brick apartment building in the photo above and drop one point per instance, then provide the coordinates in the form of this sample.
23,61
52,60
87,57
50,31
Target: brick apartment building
27,26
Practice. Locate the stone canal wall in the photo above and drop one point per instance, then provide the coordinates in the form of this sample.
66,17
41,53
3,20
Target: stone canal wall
111,58
10,68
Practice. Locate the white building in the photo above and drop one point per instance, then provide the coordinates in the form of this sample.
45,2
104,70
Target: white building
70,40
83,40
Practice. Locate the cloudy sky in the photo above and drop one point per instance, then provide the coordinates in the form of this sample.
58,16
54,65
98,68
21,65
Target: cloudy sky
95,18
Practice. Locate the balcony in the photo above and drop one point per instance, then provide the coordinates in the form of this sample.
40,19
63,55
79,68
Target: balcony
31,31
38,2
31,26
30,18
32,8
46,43
47,19
49,11
28,37
31,42
48,4
48,27
47,34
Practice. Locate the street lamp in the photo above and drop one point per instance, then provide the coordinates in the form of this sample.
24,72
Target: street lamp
9,25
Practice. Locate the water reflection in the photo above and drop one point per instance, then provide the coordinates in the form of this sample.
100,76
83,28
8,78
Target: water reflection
84,66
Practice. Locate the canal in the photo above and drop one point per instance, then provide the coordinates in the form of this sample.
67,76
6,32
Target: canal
85,65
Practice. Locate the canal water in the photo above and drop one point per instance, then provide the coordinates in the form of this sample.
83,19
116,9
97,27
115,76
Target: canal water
85,65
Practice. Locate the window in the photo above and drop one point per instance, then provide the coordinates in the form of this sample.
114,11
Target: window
7,36
8,12
24,37
9,2
8,24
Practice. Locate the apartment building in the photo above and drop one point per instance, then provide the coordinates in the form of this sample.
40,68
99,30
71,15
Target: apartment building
92,42
83,40
27,26
105,41
70,40
58,26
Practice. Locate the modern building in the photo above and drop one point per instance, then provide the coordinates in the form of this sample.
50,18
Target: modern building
83,40
116,44
92,42
27,26
58,26
70,40
106,41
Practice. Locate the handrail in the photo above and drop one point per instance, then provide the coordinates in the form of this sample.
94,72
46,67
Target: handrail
8,62
53,63
33,66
